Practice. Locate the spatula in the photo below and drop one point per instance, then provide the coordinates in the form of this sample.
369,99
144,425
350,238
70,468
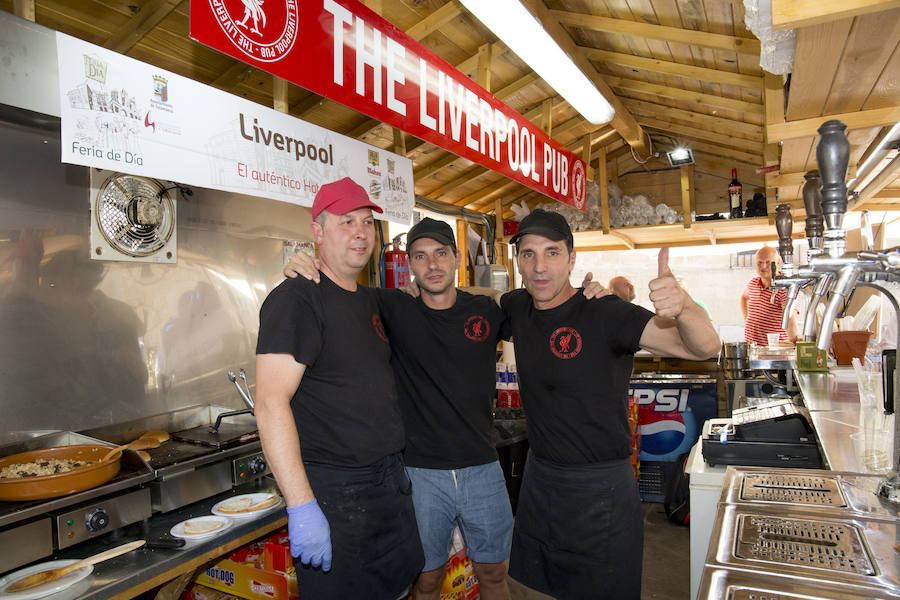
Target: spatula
41,577
151,439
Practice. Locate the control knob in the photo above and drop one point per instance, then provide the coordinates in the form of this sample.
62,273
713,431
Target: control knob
257,465
96,520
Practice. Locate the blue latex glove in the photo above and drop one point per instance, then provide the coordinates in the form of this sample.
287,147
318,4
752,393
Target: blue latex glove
310,535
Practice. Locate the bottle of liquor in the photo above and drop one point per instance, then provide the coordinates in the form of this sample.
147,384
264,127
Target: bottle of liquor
734,196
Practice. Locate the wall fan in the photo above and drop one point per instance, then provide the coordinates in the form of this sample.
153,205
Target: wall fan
132,218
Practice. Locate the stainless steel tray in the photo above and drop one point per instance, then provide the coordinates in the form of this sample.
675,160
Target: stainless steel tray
730,584
838,548
810,491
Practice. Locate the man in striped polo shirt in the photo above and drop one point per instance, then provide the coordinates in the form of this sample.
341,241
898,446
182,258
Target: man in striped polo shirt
763,305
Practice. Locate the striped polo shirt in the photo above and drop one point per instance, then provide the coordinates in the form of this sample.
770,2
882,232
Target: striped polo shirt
764,309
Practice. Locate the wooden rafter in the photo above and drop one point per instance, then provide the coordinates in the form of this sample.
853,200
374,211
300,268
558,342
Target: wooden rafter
622,120
789,14
140,24
725,140
747,130
672,68
697,98
657,32
875,117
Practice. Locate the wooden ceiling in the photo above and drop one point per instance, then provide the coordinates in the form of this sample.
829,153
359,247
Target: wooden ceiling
675,70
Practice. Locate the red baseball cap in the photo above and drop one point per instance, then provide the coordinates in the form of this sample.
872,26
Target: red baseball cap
340,197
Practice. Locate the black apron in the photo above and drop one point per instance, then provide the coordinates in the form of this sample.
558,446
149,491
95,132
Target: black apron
579,531
376,550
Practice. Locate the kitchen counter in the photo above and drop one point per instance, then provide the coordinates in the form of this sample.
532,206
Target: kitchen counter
128,575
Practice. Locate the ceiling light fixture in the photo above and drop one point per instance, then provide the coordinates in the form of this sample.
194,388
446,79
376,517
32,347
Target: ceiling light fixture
517,28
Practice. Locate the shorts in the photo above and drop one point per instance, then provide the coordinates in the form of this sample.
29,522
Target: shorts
376,552
579,531
475,498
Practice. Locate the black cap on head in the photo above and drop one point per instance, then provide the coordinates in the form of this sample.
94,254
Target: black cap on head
551,225
431,228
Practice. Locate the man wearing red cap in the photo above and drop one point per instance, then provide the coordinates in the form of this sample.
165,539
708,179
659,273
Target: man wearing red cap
328,416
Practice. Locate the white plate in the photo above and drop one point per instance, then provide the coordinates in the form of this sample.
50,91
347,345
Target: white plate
178,530
254,499
45,589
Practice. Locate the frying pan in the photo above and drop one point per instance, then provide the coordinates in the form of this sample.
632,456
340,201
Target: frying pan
42,487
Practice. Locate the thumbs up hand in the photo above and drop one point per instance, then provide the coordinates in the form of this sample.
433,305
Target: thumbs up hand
665,293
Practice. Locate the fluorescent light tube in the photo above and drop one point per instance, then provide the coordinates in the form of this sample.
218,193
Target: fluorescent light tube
517,28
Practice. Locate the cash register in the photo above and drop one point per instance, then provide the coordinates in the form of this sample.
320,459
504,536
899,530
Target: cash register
771,434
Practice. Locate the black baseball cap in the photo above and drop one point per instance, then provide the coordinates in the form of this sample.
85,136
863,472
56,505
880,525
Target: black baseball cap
551,225
431,228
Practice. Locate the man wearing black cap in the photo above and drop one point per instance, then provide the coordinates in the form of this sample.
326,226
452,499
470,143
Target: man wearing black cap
324,384
443,351
579,527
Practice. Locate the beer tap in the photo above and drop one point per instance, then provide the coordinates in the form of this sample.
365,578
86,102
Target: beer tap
812,200
788,280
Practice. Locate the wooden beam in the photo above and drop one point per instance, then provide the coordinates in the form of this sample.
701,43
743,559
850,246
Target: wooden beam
140,25
796,178
435,166
24,9
687,193
483,71
752,160
469,65
622,120
435,20
789,14
399,142
462,243
773,96
658,32
881,181
586,156
231,76
888,194
604,190
672,68
486,193
280,94
875,117
698,98
629,243
547,117
748,130
719,138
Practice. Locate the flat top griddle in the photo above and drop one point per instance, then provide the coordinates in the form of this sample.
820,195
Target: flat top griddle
226,434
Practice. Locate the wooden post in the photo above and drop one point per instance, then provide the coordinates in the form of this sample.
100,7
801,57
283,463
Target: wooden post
462,237
687,193
586,157
547,116
280,94
399,142
483,70
773,96
24,9
604,190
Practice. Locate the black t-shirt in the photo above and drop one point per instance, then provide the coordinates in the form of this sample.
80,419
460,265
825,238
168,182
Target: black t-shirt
574,364
346,405
444,362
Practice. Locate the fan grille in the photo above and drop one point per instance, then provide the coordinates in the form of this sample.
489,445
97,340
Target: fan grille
115,212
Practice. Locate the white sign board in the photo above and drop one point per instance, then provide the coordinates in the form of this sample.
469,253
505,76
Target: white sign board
121,114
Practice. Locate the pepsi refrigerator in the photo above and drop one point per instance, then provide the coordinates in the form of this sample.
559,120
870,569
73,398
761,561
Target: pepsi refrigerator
671,413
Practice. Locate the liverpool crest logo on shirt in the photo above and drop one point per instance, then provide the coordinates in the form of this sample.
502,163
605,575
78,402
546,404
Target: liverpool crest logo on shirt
477,328
565,343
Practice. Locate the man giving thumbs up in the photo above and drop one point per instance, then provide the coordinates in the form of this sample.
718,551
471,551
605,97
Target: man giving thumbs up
579,529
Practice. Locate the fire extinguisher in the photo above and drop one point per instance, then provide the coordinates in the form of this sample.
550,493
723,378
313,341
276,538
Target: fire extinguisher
396,266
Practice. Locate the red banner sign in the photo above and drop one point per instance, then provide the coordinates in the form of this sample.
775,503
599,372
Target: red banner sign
342,50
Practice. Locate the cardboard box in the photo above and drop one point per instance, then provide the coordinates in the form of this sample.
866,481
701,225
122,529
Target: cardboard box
249,581
195,591
277,553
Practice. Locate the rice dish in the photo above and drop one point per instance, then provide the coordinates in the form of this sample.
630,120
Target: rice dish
50,466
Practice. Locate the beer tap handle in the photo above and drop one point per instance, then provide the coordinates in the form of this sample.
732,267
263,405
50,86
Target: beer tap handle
833,156
865,231
812,200
784,226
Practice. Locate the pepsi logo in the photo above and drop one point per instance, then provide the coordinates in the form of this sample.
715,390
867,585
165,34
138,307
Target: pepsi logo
661,433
